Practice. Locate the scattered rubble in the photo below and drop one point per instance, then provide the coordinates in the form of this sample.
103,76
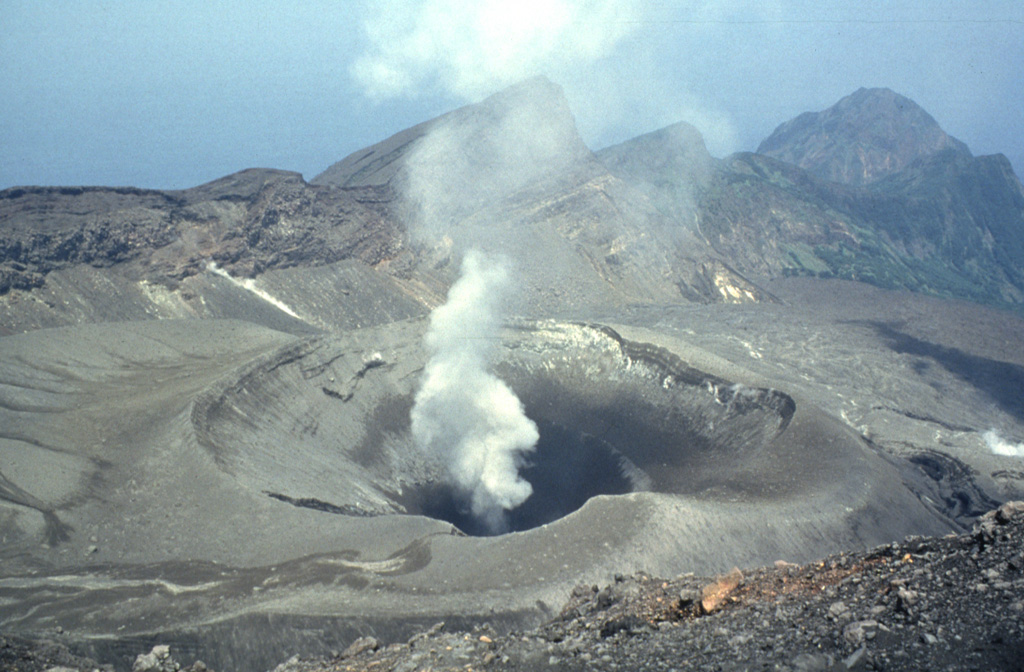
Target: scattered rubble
950,603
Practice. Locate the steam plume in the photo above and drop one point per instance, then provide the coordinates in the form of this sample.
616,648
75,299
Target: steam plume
471,47
1001,446
463,414
615,82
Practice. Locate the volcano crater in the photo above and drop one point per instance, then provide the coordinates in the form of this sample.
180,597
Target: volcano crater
614,417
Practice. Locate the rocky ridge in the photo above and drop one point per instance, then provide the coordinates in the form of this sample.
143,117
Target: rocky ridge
924,603
921,604
247,223
654,219
949,225
864,137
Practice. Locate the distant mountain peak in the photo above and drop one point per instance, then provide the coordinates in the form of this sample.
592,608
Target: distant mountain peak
865,136
529,123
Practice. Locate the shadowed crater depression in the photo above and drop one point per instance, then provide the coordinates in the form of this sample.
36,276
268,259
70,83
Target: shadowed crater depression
613,417
567,468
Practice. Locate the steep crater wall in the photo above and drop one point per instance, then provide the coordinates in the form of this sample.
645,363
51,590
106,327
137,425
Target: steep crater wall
325,425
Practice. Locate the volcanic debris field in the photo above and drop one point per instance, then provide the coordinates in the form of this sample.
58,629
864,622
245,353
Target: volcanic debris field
920,604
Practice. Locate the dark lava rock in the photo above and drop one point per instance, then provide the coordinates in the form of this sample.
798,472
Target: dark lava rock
19,654
950,603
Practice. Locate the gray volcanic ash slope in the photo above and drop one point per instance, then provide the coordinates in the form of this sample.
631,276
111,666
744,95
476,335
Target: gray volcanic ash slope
214,447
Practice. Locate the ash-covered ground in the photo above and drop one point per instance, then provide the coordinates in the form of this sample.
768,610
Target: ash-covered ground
233,515
925,603
950,603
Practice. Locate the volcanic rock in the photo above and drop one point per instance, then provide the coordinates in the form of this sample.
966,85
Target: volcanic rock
778,619
862,138
714,594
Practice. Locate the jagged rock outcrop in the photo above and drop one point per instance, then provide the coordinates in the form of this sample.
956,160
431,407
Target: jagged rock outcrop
248,223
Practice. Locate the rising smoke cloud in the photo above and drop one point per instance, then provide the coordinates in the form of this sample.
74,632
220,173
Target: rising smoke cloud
1000,446
464,415
472,47
464,165
615,81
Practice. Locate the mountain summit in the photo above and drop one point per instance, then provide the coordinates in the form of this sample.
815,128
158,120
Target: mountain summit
865,136
518,133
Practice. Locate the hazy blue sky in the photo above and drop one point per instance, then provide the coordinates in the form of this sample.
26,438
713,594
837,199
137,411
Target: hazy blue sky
171,94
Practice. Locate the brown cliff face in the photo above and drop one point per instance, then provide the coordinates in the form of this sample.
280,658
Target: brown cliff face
248,222
862,138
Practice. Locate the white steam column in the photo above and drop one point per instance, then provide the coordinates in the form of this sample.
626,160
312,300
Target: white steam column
464,415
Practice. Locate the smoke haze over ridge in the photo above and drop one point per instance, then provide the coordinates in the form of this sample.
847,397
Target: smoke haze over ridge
472,47
171,96
466,50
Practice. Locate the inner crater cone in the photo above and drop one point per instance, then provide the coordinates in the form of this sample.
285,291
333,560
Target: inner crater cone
615,416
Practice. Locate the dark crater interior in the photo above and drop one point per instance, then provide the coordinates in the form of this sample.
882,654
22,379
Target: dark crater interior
566,469
614,417
629,419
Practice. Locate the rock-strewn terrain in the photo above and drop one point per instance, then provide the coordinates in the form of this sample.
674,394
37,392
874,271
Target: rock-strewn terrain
949,603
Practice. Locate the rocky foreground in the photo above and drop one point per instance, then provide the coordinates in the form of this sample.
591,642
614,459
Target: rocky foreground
951,603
